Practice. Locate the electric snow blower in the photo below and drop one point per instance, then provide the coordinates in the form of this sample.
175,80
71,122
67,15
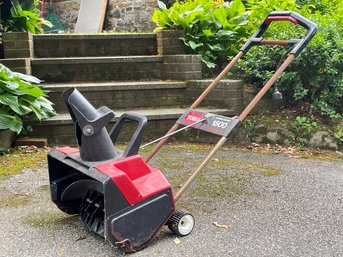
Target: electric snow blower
118,195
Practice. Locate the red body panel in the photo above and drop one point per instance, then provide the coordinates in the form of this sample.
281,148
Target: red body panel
135,179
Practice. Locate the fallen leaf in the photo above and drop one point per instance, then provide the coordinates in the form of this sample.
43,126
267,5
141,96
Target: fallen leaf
61,250
220,225
20,194
177,241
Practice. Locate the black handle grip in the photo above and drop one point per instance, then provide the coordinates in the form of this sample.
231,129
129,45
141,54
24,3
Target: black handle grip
293,17
134,144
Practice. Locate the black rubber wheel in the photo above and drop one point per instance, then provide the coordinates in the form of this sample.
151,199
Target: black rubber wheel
181,223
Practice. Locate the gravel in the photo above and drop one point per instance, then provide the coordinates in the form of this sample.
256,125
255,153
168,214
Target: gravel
270,205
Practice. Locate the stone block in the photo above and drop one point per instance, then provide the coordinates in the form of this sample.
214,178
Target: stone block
182,67
168,42
28,141
188,75
273,135
77,45
323,140
97,69
17,36
18,45
17,53
226,94
22,65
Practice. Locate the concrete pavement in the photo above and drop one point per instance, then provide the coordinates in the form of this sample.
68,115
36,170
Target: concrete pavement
245,204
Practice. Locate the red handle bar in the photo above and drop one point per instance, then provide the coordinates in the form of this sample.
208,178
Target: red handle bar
280,18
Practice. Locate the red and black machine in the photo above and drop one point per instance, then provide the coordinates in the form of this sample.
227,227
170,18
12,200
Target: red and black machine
118,195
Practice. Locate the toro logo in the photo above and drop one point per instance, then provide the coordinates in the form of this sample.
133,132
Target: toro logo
193,117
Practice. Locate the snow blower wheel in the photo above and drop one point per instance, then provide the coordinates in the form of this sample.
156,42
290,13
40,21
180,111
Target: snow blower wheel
181,223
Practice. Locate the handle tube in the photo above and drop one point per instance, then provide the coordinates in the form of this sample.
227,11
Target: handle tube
266,87
195,104
293,17
261,41
133,146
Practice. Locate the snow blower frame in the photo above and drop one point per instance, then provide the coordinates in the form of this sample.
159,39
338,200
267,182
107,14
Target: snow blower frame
118,195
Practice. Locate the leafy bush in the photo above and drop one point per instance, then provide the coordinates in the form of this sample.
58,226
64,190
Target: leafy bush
20,99
316,75
303,127
214,29
338,134
25,17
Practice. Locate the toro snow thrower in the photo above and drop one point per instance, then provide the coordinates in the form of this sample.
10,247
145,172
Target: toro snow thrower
118,195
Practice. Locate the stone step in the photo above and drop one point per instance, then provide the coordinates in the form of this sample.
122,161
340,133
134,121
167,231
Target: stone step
81,45
60,130
125,94
82,69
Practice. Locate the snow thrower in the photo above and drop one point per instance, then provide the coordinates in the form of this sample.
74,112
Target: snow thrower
118,195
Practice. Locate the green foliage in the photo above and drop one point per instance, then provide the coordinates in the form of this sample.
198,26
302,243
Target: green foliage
338,134
213,29
25,17
277,30
323,6
261,8
216,29
316,75
19,98
302,127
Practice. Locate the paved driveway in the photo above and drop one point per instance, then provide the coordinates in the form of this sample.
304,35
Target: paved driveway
245,204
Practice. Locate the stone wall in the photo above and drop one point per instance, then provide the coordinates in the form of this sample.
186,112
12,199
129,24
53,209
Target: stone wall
121,15
130,15
67,12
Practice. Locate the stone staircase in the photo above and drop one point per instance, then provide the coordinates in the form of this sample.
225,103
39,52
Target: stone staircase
143,73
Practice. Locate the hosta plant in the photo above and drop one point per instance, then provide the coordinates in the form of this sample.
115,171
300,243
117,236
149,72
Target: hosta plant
21,99
213,28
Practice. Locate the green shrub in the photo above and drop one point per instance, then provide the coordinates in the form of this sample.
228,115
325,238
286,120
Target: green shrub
25,17
338,134
20,17
303,127
216,30
21,97
213,29
316,75
261,8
